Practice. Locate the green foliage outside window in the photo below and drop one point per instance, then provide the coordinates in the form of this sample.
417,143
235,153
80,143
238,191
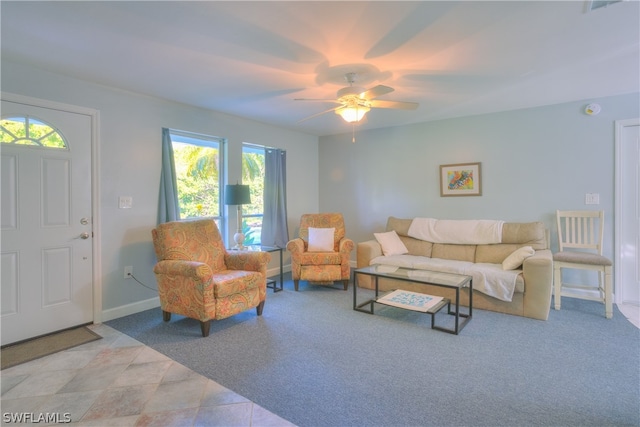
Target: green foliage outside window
253,175
29,131
197,179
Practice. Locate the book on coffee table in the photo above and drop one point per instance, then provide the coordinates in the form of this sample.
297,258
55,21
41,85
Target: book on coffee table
410,300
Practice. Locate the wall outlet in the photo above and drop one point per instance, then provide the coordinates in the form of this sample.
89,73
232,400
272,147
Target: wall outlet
128,272
592,199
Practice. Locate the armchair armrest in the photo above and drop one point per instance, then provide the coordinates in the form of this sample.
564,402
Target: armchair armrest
346,245
194,270
295,245
249,261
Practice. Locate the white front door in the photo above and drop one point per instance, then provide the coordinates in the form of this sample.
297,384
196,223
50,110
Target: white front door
627,268
46,220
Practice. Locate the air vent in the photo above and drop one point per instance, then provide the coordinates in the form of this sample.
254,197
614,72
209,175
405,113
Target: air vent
599,4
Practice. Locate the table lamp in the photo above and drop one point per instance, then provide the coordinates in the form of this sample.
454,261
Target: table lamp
239,195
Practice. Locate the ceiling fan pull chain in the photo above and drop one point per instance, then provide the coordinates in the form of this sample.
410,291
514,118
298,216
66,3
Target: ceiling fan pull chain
353,137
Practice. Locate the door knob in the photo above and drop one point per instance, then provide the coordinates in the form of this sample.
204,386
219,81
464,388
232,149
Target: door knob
84,235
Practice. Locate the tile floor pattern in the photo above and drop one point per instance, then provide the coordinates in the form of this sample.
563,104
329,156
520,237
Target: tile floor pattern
118,381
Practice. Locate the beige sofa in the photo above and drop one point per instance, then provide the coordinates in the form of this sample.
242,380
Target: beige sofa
532,294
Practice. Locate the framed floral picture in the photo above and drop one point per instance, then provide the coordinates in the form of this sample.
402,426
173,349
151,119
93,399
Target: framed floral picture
462,179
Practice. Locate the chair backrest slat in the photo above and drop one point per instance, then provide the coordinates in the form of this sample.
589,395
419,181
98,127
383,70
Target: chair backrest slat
580,229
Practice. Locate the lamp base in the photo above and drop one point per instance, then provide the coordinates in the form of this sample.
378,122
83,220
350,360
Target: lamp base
239,239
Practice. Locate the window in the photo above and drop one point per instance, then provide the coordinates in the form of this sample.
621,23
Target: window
30,131
253,176
199,174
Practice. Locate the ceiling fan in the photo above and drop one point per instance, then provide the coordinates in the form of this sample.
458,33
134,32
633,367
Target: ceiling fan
354,101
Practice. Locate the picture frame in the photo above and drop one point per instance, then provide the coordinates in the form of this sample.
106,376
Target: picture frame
460,179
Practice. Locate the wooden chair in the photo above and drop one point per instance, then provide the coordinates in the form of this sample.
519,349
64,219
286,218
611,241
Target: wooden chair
580,235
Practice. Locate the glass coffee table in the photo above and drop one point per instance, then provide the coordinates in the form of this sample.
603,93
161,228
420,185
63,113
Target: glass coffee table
428,304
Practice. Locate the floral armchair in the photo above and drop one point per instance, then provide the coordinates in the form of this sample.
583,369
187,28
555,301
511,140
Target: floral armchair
198,278
317,263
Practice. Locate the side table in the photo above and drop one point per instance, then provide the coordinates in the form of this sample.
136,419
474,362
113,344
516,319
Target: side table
271,283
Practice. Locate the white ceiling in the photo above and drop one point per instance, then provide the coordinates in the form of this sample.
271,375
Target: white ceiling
251,59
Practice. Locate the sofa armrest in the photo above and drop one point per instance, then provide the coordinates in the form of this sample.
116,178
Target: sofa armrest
537,271
366,251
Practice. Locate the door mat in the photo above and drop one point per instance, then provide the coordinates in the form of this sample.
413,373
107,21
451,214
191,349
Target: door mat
36,348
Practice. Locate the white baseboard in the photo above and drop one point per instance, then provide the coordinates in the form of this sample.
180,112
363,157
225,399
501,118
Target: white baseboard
137,307
125,310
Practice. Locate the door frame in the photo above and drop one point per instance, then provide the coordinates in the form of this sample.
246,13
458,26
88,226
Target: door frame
95,184
619,125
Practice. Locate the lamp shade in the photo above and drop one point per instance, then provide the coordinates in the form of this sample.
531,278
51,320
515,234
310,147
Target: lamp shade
237,194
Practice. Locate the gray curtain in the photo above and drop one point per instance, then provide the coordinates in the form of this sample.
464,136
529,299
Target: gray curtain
274,221
168,207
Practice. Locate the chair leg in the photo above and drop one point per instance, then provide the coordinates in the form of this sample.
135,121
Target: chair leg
259,308
295,284
166,316
204,327
557,287
346,284
608,293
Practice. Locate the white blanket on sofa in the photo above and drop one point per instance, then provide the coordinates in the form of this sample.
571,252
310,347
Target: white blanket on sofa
489,279
462,232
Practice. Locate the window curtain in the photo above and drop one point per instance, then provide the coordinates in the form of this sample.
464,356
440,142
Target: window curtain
168,207
274,221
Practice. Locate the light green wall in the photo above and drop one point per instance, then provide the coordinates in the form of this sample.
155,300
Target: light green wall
130,153
534,161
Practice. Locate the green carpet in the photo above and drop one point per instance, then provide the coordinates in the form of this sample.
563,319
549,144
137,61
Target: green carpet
26,351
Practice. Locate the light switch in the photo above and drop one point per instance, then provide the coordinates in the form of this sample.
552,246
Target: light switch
592,199
125,202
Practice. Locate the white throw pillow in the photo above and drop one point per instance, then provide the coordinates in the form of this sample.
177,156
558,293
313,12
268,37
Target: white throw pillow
516,259
391,243
321,239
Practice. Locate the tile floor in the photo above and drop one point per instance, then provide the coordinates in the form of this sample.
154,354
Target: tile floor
118,381
631,312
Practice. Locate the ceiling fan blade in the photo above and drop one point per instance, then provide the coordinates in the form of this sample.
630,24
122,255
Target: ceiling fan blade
397,105
319,114
317,100
376,91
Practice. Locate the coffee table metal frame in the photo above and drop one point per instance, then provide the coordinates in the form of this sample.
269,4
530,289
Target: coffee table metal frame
457,283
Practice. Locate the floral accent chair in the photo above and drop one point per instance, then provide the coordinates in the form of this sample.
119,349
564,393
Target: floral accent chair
198,278
321,253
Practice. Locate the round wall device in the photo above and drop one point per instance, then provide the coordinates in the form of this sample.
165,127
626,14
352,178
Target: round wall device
592,109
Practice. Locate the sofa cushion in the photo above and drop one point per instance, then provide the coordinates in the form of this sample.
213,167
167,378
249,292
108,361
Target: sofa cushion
495,254
525,234
456,252
390,243
414,246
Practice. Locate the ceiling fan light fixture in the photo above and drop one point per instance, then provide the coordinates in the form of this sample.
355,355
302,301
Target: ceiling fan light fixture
352,114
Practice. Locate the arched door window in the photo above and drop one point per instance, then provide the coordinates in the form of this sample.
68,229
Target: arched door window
29,131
